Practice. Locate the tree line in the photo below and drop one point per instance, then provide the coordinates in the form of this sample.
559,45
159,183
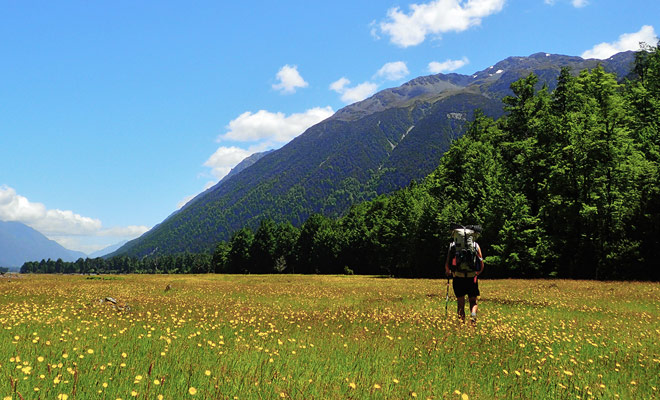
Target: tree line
185,263
566,184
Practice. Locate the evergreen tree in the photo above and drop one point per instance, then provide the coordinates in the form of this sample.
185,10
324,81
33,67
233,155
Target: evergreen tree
264,247
239,259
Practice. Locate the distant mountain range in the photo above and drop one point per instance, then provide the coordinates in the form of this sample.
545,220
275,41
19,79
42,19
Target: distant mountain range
20,243
107,250
368,148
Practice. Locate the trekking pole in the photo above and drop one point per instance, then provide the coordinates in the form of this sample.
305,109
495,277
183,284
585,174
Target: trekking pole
447,297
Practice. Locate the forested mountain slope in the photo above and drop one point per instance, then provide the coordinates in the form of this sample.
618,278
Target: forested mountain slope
372,147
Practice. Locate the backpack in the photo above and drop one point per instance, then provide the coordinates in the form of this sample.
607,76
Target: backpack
463,251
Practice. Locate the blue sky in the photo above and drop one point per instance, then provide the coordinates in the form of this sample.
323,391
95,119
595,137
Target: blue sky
112,114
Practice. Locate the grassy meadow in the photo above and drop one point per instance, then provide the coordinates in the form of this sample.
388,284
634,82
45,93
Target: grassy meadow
324,337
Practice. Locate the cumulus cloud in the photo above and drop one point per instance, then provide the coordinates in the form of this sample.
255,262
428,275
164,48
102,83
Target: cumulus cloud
62,226
434,18
447,66
355,93
14,207
359,92
340,84
121,231
575,3
289,79
273,126
222,161
264,129
393,71
627,41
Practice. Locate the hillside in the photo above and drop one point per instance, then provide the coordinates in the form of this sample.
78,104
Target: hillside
372,147
107,250
20,243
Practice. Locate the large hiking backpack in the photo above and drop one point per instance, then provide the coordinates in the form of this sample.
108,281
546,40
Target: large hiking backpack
463,252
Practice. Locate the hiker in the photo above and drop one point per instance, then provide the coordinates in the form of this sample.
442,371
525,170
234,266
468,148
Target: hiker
465,263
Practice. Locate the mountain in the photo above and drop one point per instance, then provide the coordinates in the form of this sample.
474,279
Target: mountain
247,162
20,243
368,148
107,250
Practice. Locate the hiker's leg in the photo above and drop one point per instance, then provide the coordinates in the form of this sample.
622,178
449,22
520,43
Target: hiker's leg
461,307
473,305
473,308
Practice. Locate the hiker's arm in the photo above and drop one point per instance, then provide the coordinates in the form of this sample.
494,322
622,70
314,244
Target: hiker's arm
481,260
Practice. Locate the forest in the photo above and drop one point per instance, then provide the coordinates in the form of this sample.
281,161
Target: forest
566,184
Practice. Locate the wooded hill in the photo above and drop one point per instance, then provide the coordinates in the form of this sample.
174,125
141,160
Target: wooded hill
565,184
369,148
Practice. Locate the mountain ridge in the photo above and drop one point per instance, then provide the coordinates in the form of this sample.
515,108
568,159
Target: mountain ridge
368,148
20,243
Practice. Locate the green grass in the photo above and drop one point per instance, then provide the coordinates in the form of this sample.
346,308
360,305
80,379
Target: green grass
325,337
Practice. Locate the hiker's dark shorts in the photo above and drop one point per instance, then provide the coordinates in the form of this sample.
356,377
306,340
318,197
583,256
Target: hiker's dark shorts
463,286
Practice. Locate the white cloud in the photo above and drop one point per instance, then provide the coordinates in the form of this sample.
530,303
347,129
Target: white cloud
447,66
355,93
223,160
339,85
575,3
266,125
121,231
434,18
393,71
14,207
289,79
373,29
65,227
359,92
627,41
265,130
